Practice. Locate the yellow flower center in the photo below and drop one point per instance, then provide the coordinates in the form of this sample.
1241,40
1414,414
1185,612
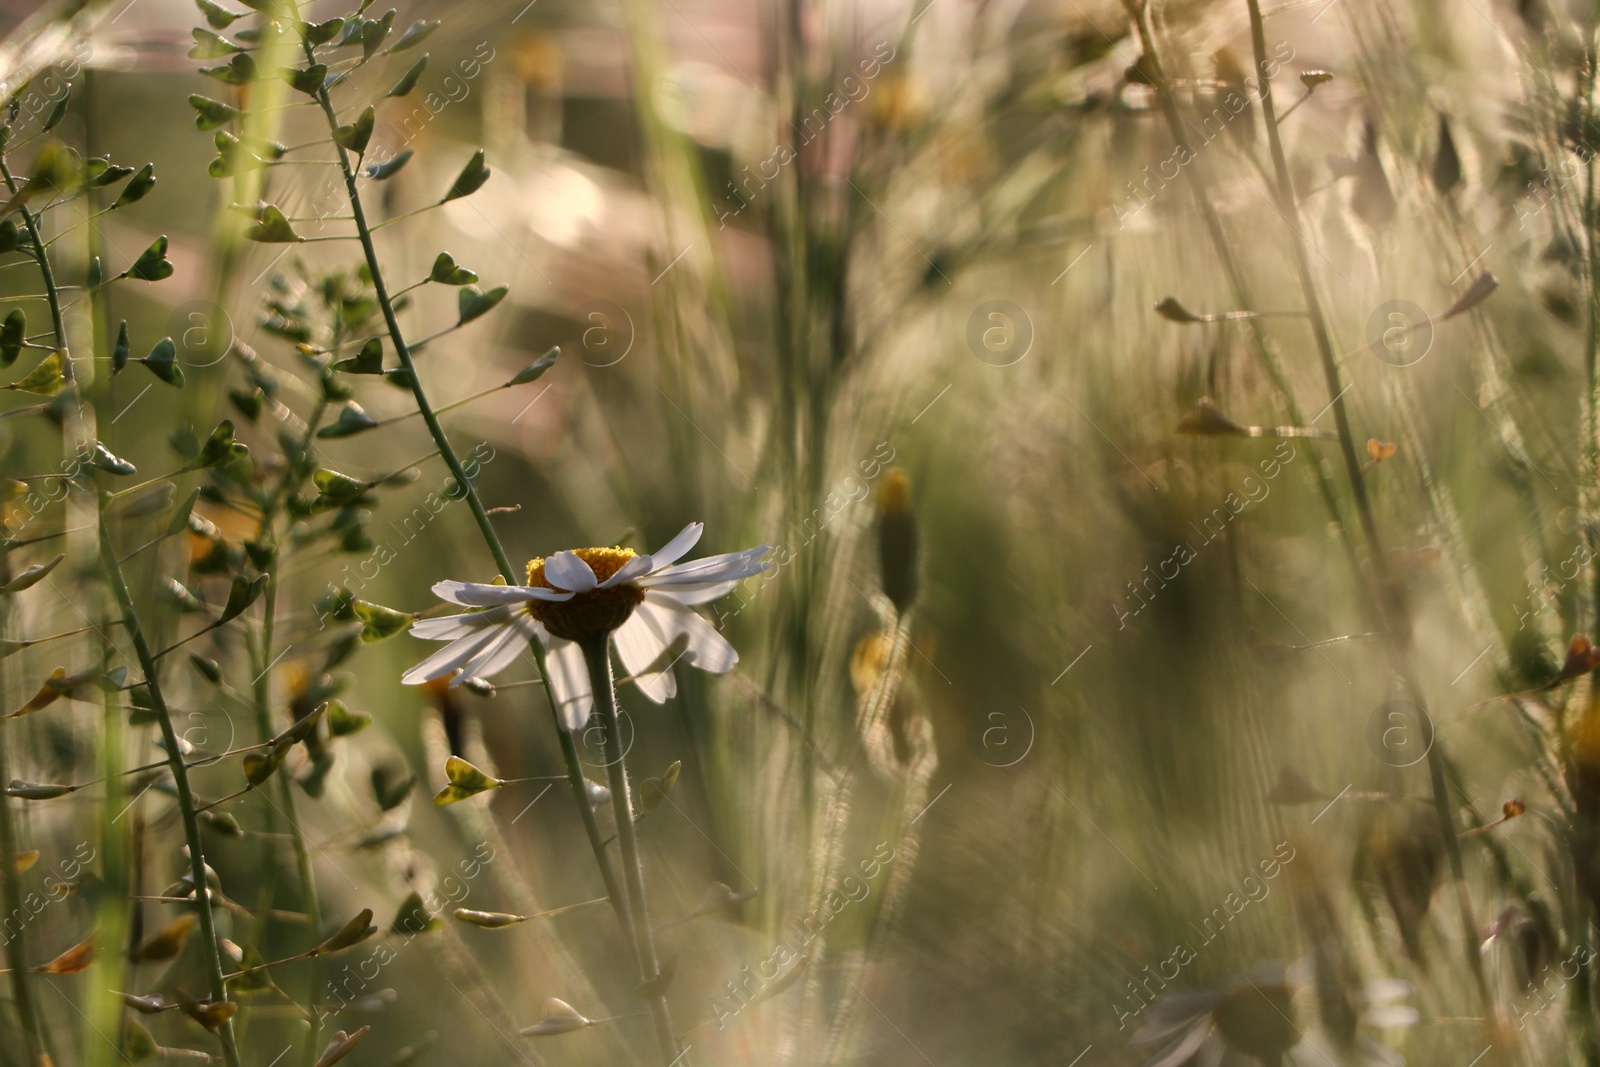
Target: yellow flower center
594,614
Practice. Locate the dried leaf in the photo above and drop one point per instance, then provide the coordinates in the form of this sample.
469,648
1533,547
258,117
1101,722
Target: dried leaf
1479,291
167,942
208,1013
341,1045
31,576
350,934
51,691
75,959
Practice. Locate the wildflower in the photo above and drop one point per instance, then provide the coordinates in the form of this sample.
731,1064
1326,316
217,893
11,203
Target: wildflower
643,604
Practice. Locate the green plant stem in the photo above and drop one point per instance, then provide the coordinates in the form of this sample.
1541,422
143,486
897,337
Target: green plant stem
569,750
180,778
11,893
1591,427
1139,11
21,987
1391,607
285,810
598,660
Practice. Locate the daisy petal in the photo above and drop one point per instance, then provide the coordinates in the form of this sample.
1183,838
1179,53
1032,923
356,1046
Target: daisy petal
482,595
688,593
566,570
731,566
673,550
569,682
445,661
498,654
1183,1049
646,655
628,571
708,650
450,627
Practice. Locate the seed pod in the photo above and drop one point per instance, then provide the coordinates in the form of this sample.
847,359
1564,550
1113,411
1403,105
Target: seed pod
1446,171
897,539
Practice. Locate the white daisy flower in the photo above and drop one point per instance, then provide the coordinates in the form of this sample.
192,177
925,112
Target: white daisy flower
642,604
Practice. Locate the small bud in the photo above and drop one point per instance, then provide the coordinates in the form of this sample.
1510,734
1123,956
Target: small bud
897,539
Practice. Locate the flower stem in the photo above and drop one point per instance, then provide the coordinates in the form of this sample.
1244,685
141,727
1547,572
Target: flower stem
10,888
1139,12
569,750
11,893
596,657
180,779
1391,607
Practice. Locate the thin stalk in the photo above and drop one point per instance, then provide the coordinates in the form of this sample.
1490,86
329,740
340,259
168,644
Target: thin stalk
1591,428
308,883
75,426
1139,11
569,750
598,659
1390,604
261,693
11,892
180,777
